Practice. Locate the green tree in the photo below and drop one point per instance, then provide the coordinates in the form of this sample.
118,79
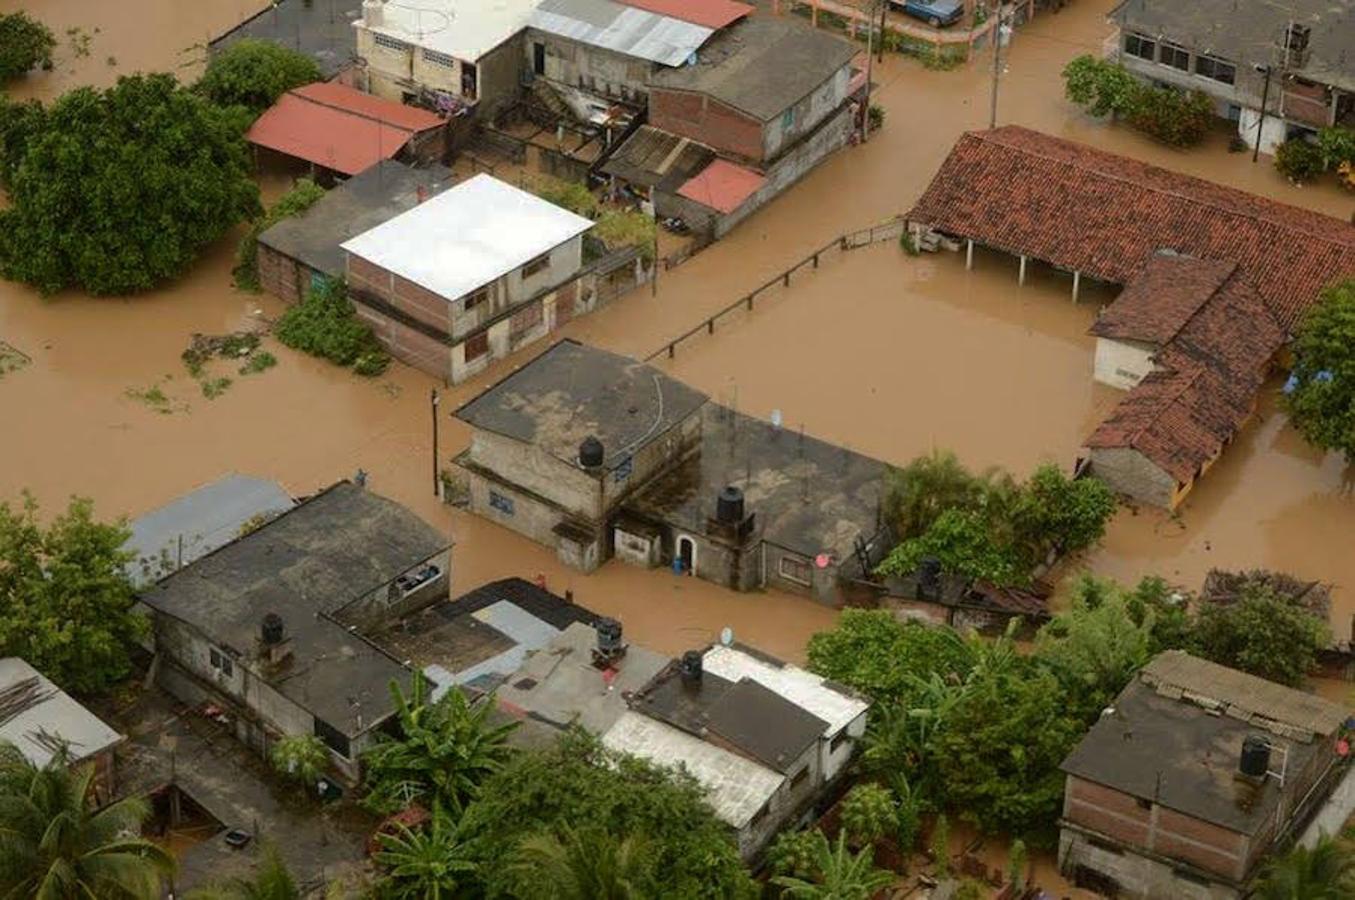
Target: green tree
254,74
444,752
940,845
1167,611
917,494
1262,633
1061,514
300,198
876,654
587,864
432,863
868,814
19,122
117,191
1095,649
577,780
56,846
1325,871
963,542
840,874
795,853
25,44
1101,87
325,324
65,600
302,758
1178,118
1299,160
271,881
1322,401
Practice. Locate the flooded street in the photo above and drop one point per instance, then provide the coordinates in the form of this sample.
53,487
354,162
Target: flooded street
887,354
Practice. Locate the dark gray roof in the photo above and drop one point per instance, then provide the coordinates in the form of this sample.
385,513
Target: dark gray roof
334,548
1254,32
321,29
366,200
652,157
1161,745
808,496
573,391
762,65
743,714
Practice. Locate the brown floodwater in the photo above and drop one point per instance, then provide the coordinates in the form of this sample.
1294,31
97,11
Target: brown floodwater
889,355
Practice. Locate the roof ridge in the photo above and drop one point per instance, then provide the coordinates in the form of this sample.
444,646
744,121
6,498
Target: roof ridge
1198,371
991,135
296,92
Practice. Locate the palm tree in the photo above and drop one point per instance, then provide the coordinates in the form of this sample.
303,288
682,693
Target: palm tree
842,875
589,864
1326,871
55,846
272,881
432,863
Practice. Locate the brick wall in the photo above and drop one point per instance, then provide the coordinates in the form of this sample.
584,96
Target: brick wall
1131,473
279,275
706,120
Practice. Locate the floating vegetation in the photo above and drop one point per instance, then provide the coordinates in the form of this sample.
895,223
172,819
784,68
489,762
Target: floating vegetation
11,360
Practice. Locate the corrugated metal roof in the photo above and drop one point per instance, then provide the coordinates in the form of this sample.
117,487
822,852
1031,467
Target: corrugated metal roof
722,186
49,717
468,236
711,13
623,29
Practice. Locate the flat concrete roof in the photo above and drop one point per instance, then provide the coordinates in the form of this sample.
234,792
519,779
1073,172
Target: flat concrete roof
375,195
468,236
837,707
809,496
41,718
464,29
574,391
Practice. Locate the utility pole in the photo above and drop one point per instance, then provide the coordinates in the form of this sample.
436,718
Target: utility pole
437,476
996,38
870,58
880,50
1261,121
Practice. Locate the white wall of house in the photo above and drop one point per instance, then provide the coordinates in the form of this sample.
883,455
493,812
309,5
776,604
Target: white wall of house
1122,364
1273,132
835,758
557,265
808,112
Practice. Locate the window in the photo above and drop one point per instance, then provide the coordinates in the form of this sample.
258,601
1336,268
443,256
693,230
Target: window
477,345
469,81
838,740
221,662
439,59
390,43
334,739
1176,56
501,503
798,778
1140,46
788,119
1217,69
795,569
540,264
760,814
476,299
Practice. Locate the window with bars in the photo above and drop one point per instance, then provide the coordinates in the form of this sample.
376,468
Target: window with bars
795,569
390,43
1217,69
537,265
476,299
477,345
1140,46
1176,56
439,59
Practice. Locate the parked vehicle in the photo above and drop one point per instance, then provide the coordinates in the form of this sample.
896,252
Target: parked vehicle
936,13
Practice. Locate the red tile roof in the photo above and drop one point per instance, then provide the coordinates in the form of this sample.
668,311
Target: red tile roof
338,127
1104,215
710,13
722,186
1156,305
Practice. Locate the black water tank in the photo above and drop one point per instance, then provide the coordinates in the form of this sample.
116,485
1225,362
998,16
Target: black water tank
609,636
271,631
691,667
590,452
1255,759
729,506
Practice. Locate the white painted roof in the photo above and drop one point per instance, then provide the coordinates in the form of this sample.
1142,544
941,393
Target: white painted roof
51,715
467,236
465,29
623,29
805,689
736,787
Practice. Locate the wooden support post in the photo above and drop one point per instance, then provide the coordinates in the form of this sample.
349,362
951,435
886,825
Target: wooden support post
785,279
816,260
969,255
1077,284
750,301
1021,279
670,350
814,14
710,326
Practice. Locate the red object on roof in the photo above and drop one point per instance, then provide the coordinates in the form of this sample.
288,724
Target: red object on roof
722,186
710,13
338,127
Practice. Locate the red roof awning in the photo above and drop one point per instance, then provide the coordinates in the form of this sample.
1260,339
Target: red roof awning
710,13
337,127
722,186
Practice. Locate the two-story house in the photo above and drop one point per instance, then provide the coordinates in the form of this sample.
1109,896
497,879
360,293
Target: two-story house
1295,57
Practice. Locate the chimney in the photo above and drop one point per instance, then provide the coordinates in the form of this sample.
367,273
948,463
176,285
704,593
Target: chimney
690,668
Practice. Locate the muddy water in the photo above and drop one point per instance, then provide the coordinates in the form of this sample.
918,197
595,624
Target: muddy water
887,355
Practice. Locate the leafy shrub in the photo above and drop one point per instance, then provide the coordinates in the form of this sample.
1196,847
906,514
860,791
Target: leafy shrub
875,116
794,853
1103,88
627,228
300,198
868,814
254,74
1298,160
876,654
1337,145
1177,118
324,324
258,362
1321,402
1262,633
571,195
302,758
25,44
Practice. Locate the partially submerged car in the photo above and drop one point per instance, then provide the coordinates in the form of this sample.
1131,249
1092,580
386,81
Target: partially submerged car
936,13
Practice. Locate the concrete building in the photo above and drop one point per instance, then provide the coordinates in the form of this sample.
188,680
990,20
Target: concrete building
558,446
1192,777
456,56
302,251
1207,303
265,628
469,275
1296,55
43,722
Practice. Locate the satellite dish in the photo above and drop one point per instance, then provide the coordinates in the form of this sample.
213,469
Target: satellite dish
727,636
